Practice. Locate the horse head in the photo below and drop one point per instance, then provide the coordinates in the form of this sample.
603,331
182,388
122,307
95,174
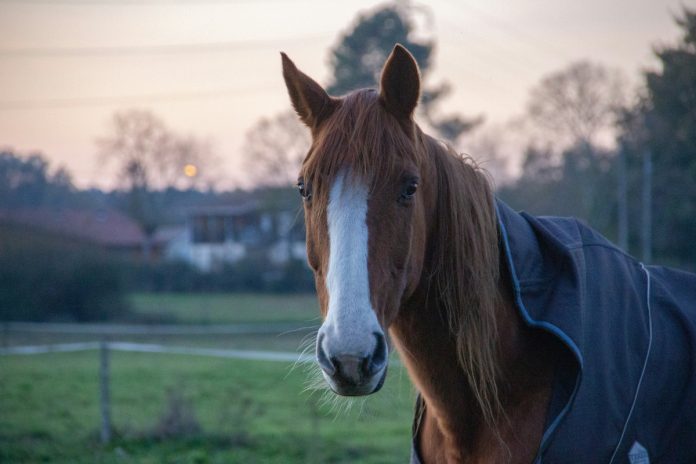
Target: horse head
364,188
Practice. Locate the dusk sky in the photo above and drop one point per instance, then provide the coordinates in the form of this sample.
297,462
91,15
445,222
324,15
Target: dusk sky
66,66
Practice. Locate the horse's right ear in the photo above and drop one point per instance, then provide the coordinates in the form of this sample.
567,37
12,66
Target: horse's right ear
310,100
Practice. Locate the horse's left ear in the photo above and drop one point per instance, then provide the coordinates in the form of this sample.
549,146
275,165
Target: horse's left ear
400,82
310,100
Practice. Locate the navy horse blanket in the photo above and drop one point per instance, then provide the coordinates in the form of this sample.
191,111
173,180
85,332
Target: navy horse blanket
627,393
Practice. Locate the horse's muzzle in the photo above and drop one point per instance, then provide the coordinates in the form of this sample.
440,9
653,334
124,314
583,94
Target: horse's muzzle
351,374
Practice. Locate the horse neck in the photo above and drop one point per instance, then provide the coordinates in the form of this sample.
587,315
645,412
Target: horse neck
454,427
428,347
429,351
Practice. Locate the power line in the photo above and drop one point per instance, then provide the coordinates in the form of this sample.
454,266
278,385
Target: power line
137,2
54,103
509,28
495,56
232,46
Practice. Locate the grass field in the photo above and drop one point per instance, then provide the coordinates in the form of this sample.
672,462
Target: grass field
189,409
227,308
250,412
206,308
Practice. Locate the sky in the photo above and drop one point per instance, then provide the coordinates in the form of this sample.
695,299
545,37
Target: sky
67,65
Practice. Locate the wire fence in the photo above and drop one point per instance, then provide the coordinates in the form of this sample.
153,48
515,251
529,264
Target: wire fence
155,329
106,347
252,355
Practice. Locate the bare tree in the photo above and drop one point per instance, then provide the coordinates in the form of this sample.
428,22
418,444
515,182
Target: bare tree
187,163
274,149
576,104
150,156
137,138
571,121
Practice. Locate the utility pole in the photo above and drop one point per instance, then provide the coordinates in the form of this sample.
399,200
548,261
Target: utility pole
646,226
622,202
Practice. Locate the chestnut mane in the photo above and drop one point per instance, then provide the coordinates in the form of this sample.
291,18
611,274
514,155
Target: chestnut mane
462,261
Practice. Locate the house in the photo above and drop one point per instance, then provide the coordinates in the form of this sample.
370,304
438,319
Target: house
217,235
102,227
211,237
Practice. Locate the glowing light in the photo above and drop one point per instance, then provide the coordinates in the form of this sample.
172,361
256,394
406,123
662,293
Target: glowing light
190,170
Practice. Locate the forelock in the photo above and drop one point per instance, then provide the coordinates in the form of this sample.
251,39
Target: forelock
363,138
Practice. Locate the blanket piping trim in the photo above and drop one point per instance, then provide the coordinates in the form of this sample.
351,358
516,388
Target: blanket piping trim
546,326
645,363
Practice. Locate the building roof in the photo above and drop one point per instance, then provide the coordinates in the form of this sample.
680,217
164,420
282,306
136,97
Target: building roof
224,210
103,227
165,234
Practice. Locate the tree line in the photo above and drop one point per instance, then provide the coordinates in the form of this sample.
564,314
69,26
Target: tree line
641,190
624,161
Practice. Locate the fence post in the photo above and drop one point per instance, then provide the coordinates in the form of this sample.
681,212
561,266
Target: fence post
5,334
104,396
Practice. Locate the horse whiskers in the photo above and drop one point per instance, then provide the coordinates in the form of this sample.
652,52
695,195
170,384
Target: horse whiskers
311,328
314,380
341,405
315,383
307,344
309,339
337,405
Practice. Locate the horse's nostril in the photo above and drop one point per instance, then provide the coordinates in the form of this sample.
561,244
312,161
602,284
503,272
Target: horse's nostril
324,361
378,359
352,368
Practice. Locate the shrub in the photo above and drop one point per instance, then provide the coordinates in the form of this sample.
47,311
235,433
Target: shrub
47,278
251,274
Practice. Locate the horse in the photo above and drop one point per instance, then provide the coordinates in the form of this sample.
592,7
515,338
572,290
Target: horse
528,339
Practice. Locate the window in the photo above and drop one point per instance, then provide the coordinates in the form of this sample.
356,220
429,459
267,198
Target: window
208,229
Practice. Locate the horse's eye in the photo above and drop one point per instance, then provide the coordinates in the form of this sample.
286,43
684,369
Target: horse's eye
409,190
304,190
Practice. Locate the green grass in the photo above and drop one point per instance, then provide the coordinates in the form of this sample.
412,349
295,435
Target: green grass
250,412
227,308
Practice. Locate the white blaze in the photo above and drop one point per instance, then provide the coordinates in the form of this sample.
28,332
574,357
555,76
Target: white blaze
351,320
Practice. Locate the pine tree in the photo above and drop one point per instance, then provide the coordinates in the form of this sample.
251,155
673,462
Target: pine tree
357,60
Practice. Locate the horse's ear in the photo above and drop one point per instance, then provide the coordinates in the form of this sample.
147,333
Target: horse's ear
400,82
310,100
